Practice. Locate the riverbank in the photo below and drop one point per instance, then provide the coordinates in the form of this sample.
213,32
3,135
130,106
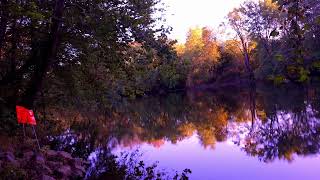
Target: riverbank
25,161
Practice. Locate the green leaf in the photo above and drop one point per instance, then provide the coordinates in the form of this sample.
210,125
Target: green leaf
304,75
279,79
307,27
318,20
35,15
316,65
279,57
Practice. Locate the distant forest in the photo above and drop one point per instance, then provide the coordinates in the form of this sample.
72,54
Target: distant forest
97,51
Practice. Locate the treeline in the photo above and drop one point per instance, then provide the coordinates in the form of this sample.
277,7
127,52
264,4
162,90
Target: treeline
73,50
97,50
273,40
208,60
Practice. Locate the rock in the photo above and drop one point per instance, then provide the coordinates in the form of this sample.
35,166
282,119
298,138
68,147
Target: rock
87,163
64,171
54,164
51,153
28,155
47,170
47,165
80,168
77,161
9,155
39,159
46,177
65,155
10,158
77,173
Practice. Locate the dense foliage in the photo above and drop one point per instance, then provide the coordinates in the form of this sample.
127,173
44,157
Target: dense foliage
96,51
84,49
274,40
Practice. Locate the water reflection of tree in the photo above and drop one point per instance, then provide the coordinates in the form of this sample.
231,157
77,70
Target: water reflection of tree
282,122
291,127
150,120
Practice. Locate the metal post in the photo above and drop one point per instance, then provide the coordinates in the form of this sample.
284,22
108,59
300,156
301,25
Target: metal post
24,131
35,134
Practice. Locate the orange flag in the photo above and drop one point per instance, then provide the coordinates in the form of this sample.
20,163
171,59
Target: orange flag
25,116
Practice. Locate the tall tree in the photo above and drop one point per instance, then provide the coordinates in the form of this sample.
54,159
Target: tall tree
236,22
43,40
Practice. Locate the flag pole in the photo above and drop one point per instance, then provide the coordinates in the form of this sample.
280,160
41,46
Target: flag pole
35,134
24,131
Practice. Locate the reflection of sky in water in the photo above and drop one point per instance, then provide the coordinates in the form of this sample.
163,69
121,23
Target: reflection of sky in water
284,133
225,161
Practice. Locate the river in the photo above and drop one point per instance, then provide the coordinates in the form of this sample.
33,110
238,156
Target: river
232,133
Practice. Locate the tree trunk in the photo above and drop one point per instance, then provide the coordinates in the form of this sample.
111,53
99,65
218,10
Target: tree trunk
3,25
47,56
247,59
16,77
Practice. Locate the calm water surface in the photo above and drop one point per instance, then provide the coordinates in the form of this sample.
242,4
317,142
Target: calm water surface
262,133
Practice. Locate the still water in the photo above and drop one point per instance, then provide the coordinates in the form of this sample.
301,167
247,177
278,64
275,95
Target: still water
261,133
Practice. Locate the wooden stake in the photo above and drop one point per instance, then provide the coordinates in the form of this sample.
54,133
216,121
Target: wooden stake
35,134
24,131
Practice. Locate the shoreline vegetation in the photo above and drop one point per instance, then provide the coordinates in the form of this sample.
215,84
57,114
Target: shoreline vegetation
93,54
